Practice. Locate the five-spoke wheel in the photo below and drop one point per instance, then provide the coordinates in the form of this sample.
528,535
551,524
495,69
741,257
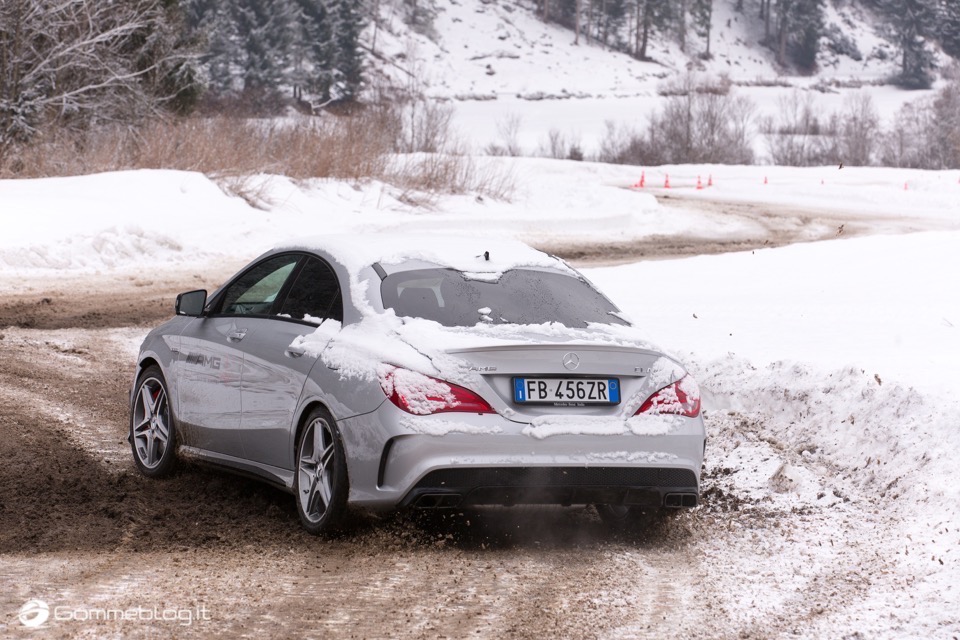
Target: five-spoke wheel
152,433
321,479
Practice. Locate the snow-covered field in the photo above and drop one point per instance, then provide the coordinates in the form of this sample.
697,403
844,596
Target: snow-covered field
829,368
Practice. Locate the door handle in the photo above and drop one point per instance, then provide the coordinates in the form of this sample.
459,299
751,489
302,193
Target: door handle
237,336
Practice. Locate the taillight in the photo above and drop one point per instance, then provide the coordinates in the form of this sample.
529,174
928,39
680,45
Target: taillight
422,395
679,398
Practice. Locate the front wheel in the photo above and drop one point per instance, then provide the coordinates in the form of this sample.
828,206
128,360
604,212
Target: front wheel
153,436
321,479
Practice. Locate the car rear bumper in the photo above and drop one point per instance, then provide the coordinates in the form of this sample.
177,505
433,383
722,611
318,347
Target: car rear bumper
634,486
496,463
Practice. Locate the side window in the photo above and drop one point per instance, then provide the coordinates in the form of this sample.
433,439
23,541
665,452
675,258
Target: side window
315,295
255,291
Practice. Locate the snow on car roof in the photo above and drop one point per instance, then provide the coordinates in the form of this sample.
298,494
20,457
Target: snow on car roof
467,254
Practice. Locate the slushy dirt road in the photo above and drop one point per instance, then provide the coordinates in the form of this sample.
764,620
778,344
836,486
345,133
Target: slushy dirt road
205,554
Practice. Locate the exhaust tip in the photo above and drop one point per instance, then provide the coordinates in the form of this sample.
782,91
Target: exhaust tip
679,500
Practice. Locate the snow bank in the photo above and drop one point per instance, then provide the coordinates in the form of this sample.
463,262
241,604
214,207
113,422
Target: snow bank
157,219
884,304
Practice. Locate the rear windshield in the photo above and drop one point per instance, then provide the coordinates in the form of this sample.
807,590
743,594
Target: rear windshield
520,296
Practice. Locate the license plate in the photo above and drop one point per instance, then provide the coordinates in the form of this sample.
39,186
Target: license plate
566,392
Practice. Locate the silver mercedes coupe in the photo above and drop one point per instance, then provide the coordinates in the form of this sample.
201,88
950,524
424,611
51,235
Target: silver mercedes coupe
419,372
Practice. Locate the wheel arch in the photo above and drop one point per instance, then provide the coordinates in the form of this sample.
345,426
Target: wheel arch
143,364
302,421
147,362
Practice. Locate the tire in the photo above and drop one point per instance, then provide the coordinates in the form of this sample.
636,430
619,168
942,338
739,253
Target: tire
320,482
153,434
628,519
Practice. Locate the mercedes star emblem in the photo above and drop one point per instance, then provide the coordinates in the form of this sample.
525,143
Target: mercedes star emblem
571,361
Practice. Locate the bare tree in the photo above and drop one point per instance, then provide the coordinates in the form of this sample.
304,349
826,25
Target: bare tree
859,131
72,63
793,137
703,127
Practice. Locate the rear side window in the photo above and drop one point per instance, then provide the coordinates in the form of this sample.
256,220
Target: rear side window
255,292
315,294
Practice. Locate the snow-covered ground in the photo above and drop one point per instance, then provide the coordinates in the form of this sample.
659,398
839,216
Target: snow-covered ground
502,68
829,368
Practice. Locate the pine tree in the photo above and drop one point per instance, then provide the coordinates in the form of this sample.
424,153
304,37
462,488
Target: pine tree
348,70
701,16
315,48
796,30
211,23
948,19
264,28
651,16
164,52
613,15
912,23
807,28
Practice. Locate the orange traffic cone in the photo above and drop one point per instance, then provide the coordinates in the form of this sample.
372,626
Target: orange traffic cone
666,181
710,180
765,180
699,184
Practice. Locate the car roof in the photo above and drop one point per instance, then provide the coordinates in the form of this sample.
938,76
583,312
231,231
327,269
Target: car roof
467,254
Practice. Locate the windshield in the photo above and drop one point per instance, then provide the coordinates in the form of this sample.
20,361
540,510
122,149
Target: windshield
519,296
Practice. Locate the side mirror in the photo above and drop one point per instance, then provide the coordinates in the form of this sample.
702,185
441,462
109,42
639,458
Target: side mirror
191,303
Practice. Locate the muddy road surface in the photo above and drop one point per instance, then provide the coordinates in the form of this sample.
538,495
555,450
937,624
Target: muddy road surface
205,554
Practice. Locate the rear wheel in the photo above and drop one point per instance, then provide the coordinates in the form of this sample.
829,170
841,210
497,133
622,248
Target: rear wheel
153,436
321,479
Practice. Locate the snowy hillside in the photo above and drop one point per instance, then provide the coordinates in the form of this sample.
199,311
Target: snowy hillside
484,49
507,73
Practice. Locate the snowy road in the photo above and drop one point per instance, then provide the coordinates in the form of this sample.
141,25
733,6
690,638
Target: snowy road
82,530
810,527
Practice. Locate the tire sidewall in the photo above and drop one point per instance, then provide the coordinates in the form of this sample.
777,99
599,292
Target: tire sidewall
169,457
337,509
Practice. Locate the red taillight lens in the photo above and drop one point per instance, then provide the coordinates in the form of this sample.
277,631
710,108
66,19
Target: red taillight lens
422,395
680,398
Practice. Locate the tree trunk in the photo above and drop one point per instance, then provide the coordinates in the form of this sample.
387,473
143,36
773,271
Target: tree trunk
765,14
647,19
606,21
576,21
376,26
636,33
783,27
709,31
683,26
589,32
